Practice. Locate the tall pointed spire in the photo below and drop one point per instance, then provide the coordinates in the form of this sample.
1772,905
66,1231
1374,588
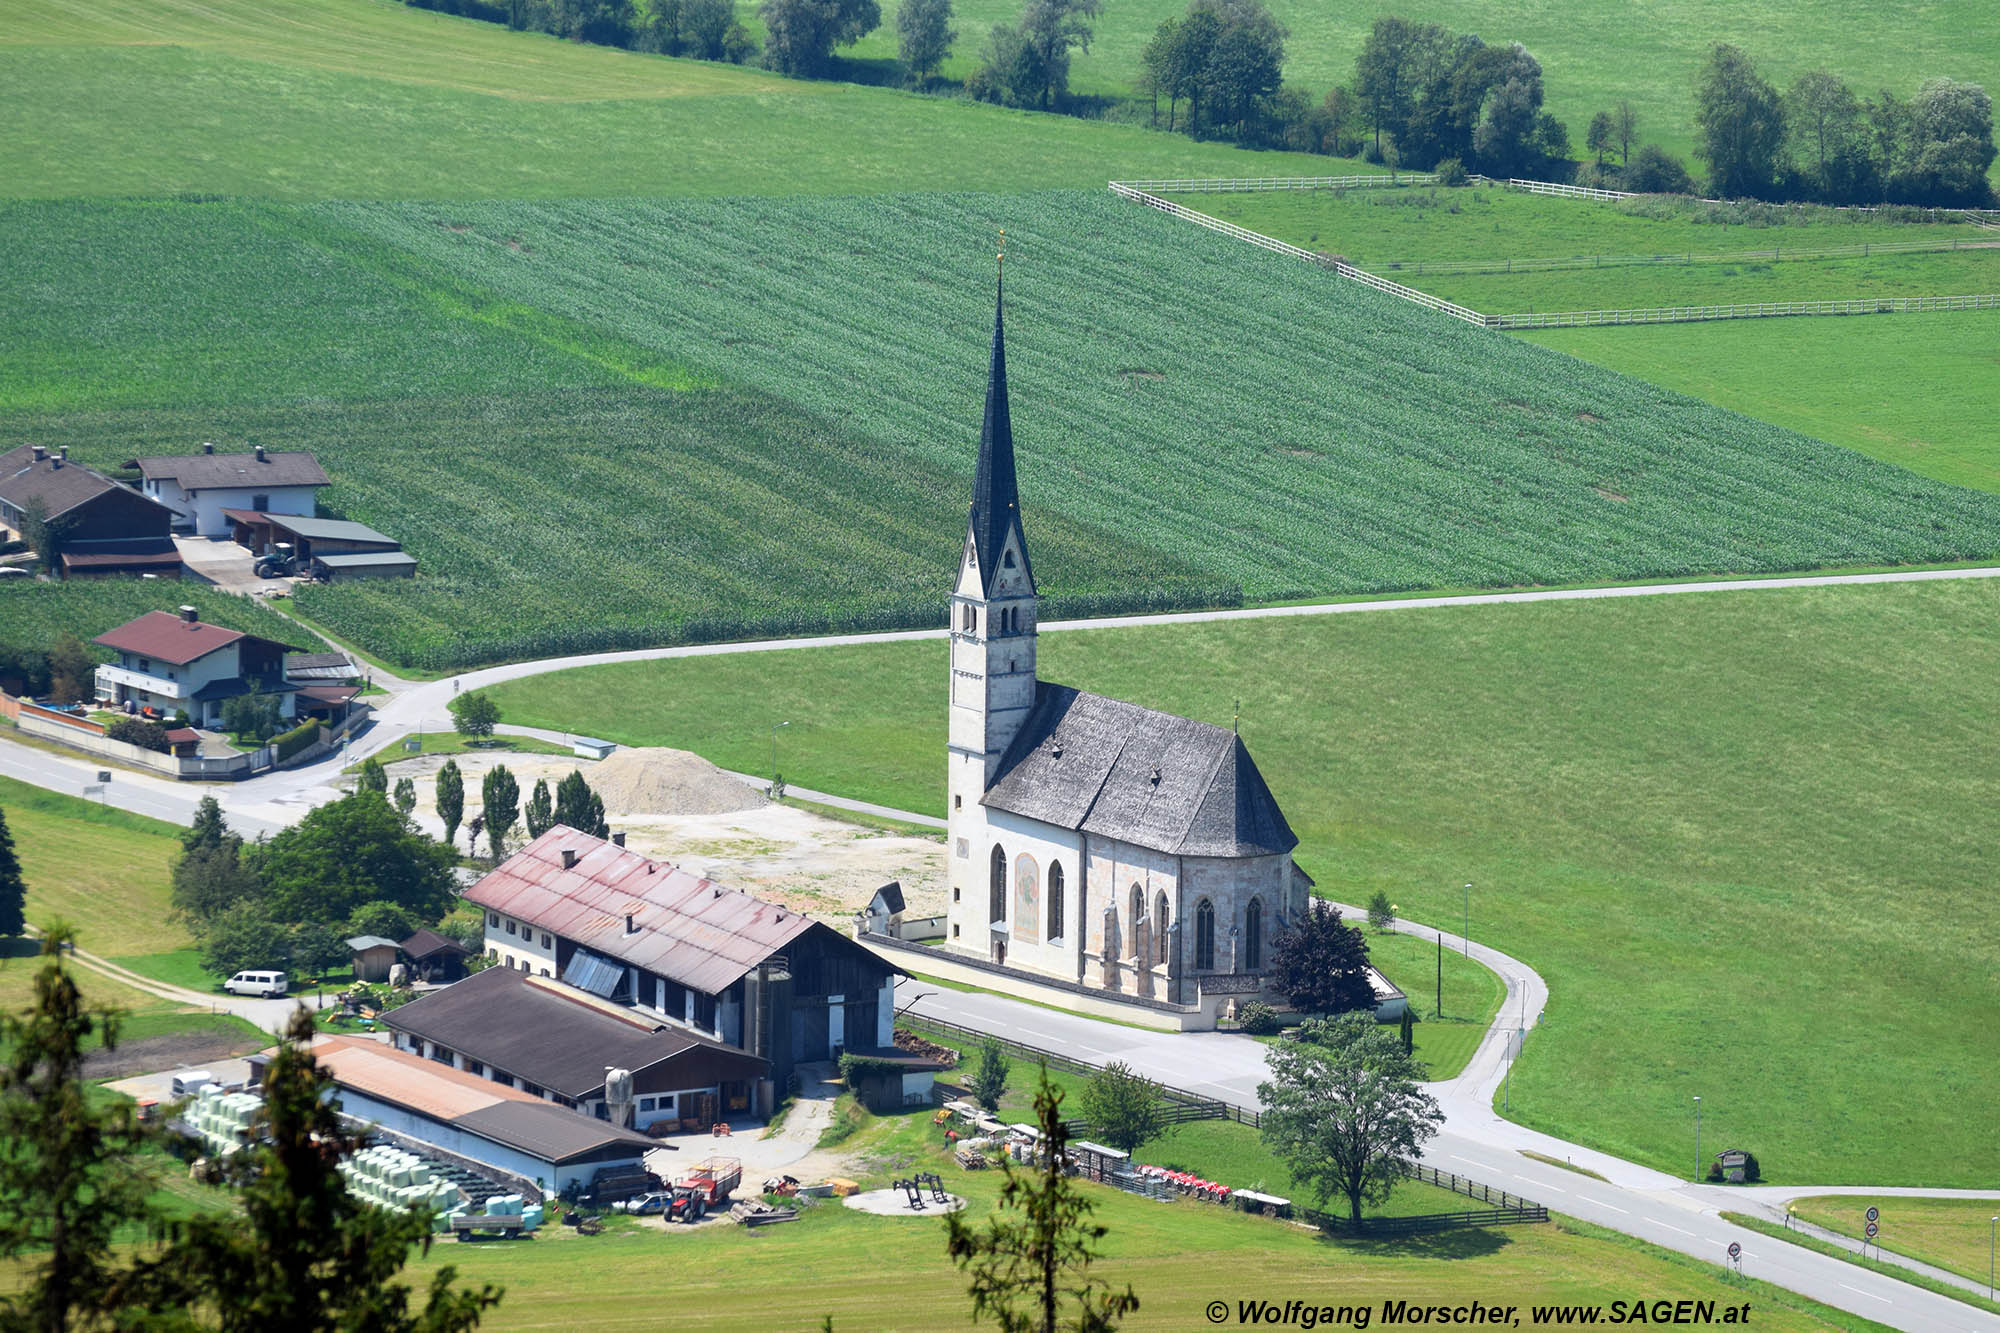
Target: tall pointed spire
996,502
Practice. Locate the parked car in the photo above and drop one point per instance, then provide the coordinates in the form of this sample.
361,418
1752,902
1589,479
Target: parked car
643,1205
267,984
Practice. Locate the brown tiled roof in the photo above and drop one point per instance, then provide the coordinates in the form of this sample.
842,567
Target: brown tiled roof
165,637
204,472
381,1071
688,929
60,486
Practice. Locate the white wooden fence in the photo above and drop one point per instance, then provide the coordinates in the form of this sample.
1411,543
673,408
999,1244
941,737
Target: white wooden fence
1777,254
1688,314
1277,183
1567,191
1127,191
1880,305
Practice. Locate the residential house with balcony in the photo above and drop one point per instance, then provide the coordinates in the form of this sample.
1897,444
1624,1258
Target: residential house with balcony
200,488
168,663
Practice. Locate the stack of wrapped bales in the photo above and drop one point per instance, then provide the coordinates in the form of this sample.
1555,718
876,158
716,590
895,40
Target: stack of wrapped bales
514,1205
222,1118
391,1178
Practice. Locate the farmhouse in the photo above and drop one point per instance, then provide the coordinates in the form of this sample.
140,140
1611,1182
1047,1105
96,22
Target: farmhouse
199,487
1094,843
691,953
168,663
103,527
558,1043
473,1117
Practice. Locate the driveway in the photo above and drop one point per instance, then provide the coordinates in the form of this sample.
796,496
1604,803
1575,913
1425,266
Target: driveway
223,563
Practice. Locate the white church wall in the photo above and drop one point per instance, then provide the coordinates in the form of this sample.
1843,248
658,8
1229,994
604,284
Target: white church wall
1116,868
1043,846
1230,884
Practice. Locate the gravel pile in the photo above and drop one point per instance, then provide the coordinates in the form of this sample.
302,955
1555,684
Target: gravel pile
659,781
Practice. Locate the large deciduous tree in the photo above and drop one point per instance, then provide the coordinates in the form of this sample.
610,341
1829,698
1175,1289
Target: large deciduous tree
924,36
1950,146
799,35
1052,29
349,852
302,1254
1030,1262
1827,138
72,670
69,1177
474,714
1245,65
1321,963
1741,122
1343,1109
1123,1108
1390,70
540,813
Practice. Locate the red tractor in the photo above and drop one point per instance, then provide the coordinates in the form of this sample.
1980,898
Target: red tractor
713,1179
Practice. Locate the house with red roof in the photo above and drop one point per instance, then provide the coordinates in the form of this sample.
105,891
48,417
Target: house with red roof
171,663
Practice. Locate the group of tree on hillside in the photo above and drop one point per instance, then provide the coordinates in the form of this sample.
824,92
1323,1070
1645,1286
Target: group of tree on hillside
1818,141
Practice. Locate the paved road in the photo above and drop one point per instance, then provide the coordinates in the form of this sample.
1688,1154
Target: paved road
1477,1142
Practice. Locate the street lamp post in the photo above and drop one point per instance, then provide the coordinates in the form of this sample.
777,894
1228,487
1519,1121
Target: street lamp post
774,751
1991,1224
1697,1138
1467,936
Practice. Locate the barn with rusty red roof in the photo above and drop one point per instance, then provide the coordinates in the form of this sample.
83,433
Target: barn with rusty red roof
754,975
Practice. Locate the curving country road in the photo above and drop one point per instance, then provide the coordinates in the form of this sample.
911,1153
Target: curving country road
1476,1141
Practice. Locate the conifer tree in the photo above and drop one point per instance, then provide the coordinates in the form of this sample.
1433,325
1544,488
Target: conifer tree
67,1178
541,811
13,889
450,800
579,807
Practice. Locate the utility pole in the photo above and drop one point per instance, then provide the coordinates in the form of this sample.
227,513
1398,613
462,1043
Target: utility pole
1440,1007
1697,1138
774,751
1467,935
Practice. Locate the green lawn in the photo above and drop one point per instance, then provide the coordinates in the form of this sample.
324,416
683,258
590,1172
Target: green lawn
1953,1234
1917,391
372,99
101,870
1177,1256
1472,995
785,434
1706,820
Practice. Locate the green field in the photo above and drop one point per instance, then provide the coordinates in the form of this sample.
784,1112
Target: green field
1393,230
101,870
785,435
1591,54
370,99
1705,819
1953,1234
1472,996
1917,391
1177,1256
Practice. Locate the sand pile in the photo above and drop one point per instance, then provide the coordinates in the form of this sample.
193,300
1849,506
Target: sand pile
657,781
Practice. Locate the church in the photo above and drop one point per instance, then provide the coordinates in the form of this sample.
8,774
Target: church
1093,843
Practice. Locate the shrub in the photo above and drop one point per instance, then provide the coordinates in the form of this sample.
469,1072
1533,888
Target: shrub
295,740
1381,912
989,1076
1451,171
1257,1018
1655,171
137,731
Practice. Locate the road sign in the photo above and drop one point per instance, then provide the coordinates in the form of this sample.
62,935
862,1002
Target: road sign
104,775
1873,1214
1873,1230
1735,1250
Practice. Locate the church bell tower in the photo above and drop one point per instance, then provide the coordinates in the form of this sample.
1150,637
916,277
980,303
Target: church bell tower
993,612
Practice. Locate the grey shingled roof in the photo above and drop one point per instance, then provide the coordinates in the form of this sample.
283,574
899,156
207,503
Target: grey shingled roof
1116,770
549,1132
55,483
202,472
541,1030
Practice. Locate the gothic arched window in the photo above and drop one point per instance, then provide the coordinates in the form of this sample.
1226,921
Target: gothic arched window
1253,935
997,894
1056,930
971,618
1204,936
1160,928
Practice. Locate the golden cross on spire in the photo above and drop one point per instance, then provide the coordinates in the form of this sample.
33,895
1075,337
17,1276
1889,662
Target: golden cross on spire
1001,259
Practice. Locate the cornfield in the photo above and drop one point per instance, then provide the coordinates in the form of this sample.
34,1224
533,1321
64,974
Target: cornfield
603,424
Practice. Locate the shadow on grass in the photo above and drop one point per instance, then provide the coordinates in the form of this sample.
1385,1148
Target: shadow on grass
18,946
1471,1243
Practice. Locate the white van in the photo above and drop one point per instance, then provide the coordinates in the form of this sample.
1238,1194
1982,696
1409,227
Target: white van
256,983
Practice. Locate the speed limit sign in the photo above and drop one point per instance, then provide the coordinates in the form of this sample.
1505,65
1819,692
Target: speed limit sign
1735,1250
1873,1230
1873,1214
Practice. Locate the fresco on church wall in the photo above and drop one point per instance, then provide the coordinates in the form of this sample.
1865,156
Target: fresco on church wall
1027,899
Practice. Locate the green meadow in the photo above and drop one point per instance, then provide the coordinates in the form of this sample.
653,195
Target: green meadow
321,99
1953,1234
1710,821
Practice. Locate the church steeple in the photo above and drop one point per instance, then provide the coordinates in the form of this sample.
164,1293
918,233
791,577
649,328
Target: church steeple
996,501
